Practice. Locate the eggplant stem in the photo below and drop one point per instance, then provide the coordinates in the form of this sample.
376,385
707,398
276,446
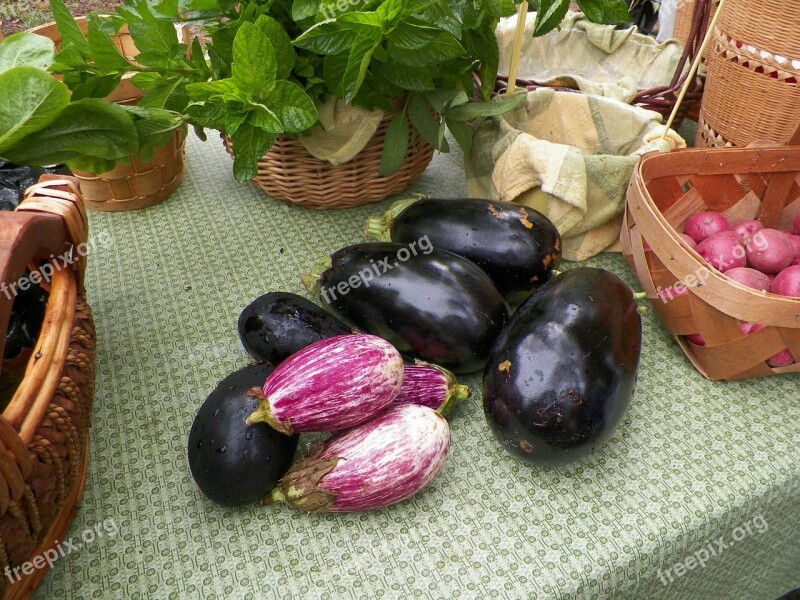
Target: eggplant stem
640,296
313,280
642,310
275,495
379,227
264,414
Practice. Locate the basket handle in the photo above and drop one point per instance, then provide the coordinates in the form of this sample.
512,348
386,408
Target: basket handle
778,190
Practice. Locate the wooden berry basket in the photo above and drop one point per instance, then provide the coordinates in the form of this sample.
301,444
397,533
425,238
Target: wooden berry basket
290,173
138,184
44,428
743,183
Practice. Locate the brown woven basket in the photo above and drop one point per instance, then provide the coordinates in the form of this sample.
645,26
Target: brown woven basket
661,99
753,82
44,429
290,173
138,184
743,183
684,19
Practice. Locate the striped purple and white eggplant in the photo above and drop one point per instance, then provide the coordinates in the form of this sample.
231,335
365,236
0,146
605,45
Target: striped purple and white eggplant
332,384
381,462
432,386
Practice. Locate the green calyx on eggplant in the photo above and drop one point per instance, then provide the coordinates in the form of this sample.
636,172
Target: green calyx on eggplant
429,303
234,463
561,375
278,324
517,246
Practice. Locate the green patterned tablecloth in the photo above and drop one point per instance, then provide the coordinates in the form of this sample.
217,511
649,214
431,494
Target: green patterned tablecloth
697,468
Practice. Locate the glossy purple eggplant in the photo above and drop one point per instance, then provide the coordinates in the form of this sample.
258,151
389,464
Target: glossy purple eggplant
562,373
332,384
381,462
430,304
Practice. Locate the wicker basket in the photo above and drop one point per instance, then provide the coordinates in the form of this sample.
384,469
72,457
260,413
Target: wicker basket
138,184
44,428
684,20
660,99
743,183
290,173
753,82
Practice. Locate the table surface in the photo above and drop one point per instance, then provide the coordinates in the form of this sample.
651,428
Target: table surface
697,468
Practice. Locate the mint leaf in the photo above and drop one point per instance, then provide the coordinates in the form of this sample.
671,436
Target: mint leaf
250,143
303,9
612,12
413,79
71,34
442,48
264,118
281,43
148,33
207,90
550,15
254,65
395,145
328,37
425,122
26,49
498,106
90,127
292,106
96,87
30,100
461,133
357,65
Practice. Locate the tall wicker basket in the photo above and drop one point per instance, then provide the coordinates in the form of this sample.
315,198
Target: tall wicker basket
44,428
753,82
742,183
138,184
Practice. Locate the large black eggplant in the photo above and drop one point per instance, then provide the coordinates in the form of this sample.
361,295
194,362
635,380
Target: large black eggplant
234,463
517,246
278,324
429,303
561,375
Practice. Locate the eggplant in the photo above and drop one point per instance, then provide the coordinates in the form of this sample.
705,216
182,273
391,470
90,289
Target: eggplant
379,463
517,246
278,324
431,386
561,375
234,463
330,385
430,304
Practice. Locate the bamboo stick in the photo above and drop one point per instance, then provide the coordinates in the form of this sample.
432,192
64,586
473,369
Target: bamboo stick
522,17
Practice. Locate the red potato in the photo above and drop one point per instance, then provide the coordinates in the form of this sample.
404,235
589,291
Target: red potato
689,241
787,282
723,251
751,278
696,339
795,240
748,328
781,359
746,229
770,251
705,224
796,229
795,262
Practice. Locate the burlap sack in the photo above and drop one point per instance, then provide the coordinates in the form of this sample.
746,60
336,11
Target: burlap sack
570,156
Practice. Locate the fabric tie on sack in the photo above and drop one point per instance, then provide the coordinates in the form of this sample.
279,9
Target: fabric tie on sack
343,130
569,156
593,58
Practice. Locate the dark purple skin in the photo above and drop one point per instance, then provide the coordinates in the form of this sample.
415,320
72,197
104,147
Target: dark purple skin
278,324
438,307
233,463
517,246
561,375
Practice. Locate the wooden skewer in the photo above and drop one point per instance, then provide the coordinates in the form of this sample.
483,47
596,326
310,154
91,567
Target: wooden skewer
522,16
693,69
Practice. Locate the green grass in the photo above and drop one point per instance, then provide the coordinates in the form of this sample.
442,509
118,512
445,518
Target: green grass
18,15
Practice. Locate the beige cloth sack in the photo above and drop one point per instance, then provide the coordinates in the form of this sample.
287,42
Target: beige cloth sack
594,58
570,156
